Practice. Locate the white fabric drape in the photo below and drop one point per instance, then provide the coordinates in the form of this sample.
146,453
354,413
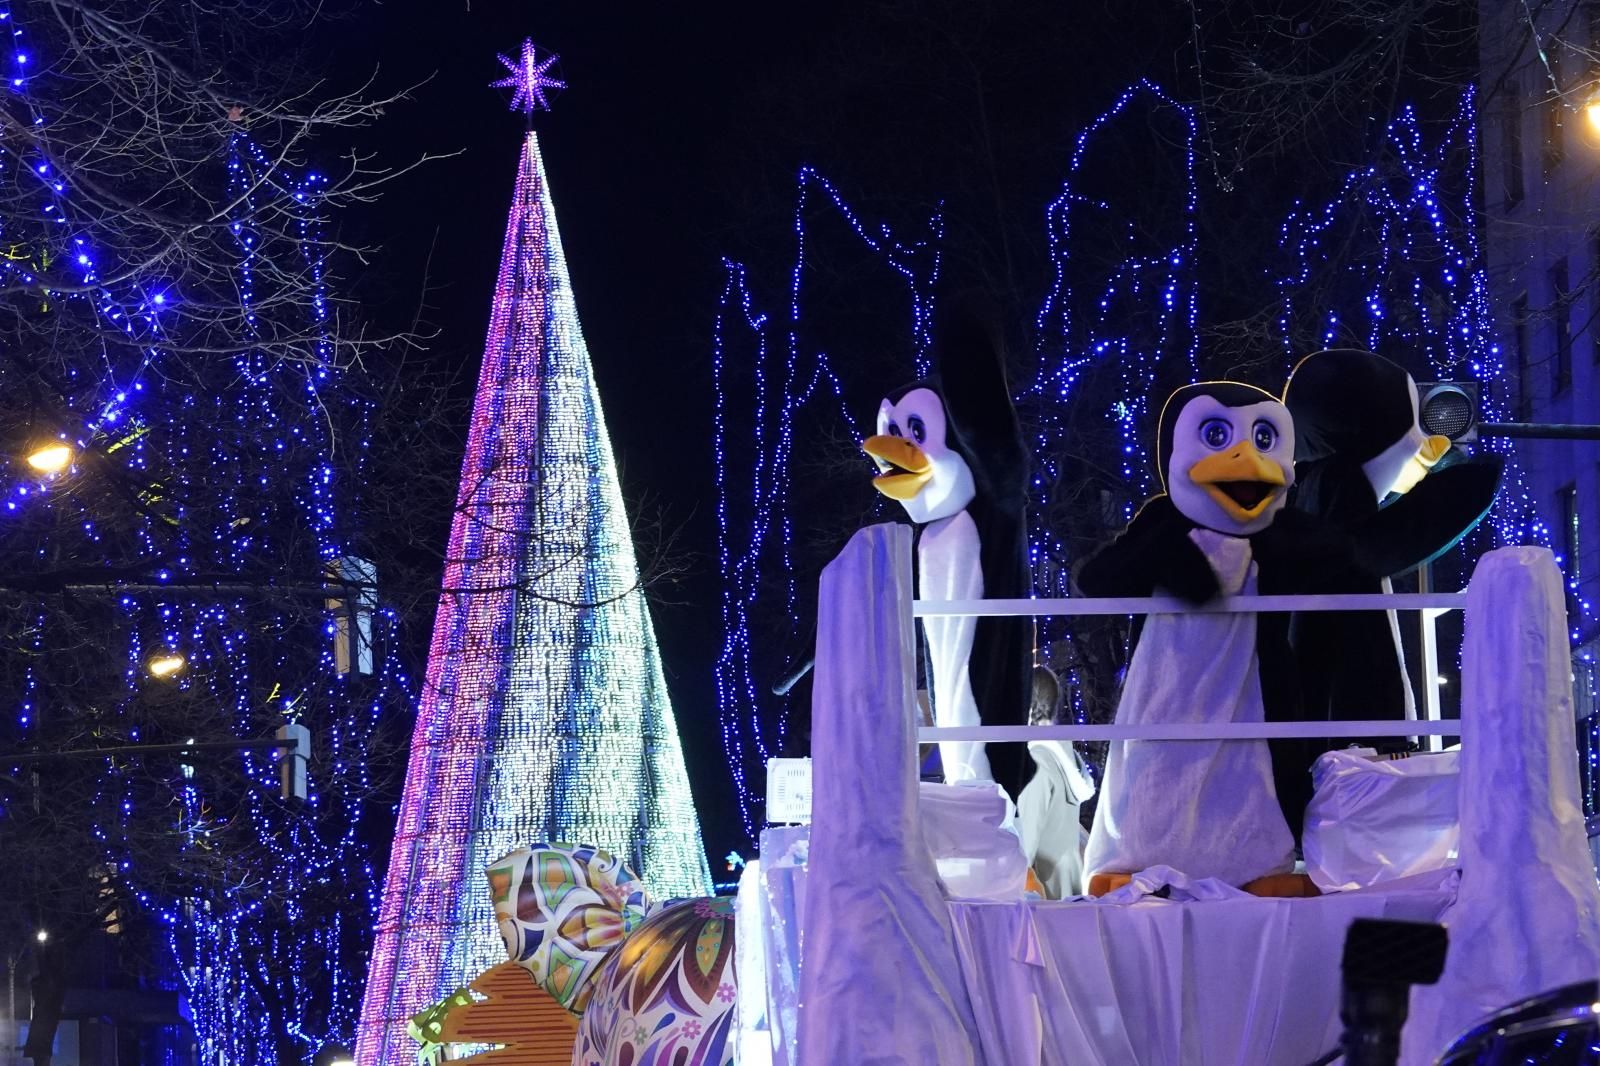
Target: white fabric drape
1527,919
878,981
1231,982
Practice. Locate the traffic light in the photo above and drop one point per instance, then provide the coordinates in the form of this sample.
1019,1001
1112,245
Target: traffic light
293,758
1449,409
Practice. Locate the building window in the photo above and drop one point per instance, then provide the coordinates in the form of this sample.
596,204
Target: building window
352,599
1519,326
1555,113
1511,145
1561,326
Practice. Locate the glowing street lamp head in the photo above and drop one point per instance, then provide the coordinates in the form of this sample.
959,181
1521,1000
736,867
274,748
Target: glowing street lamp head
165,664
1591,118
42,936
51,458
530,78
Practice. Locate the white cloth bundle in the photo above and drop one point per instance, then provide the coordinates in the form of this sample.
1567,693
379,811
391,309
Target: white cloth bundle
968,830
1375,820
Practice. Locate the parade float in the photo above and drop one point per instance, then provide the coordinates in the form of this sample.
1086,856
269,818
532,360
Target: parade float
1203,941
895,919
850,946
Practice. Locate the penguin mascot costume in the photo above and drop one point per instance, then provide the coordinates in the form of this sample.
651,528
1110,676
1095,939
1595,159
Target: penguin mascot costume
950,451
1358,442
1208,808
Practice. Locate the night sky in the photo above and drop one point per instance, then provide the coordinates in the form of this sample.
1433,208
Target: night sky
676,143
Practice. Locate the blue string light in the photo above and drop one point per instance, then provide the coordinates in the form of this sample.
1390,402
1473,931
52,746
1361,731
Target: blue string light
1421,295
1134,315
232,457
1415,287
1416,290
755,538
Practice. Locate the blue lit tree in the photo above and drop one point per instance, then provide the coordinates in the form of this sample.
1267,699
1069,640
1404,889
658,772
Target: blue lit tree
1138,302
186,567
792,408
1392,262
1117,331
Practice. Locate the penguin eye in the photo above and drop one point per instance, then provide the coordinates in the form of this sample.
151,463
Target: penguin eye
1216,433
894,430
919,432
1266,436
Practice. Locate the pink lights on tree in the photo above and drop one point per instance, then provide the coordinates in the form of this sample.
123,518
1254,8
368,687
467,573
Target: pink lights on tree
545,714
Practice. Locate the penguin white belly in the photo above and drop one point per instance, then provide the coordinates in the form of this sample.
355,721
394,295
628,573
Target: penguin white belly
950,568
1205,808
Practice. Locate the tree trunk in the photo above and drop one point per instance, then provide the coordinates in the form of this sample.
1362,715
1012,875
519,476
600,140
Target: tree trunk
275,1009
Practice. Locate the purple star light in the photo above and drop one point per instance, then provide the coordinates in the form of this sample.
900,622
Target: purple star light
530,78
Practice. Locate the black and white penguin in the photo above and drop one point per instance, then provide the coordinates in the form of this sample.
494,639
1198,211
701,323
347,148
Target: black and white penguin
1359,448
950,451
1357,443
1207,808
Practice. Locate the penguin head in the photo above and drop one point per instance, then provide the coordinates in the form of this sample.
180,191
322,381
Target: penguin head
1227,455
1363,407
919,457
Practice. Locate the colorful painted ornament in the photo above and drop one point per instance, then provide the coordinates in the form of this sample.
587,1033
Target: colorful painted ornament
654,984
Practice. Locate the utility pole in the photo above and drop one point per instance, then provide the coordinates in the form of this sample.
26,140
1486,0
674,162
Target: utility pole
12,959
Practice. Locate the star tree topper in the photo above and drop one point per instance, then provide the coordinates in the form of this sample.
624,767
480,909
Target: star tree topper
530,77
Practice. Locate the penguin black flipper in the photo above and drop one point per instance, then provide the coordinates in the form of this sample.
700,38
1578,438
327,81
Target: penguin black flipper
1429,520
1299,554
969,360
1154,551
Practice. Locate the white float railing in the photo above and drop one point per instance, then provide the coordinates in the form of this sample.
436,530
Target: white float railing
1092,605
1191,731
1431,604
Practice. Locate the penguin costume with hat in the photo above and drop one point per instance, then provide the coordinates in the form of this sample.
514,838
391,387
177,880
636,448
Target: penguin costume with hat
1358,443
951,452
1208,808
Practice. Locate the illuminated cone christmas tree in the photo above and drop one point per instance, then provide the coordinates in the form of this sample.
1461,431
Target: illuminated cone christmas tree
545,716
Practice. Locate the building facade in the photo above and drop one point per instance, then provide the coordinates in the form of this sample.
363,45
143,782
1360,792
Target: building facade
1540,208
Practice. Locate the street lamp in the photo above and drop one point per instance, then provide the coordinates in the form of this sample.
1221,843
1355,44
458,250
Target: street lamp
1589,130
165,664
51,458
42,935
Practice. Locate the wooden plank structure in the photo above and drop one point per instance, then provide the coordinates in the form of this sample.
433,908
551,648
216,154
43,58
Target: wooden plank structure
527,1026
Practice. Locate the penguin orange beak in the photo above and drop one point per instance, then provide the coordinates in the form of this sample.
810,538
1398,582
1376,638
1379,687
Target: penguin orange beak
905,468
1242,481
